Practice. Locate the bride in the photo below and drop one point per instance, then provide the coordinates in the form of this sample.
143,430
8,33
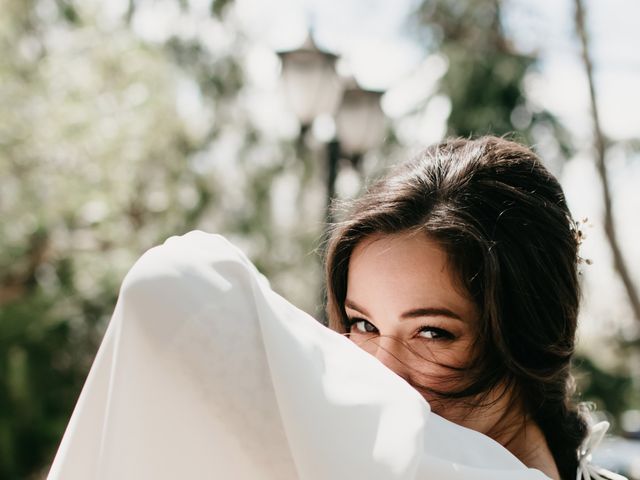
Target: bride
456,274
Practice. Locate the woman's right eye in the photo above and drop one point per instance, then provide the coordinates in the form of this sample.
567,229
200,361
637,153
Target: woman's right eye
362,326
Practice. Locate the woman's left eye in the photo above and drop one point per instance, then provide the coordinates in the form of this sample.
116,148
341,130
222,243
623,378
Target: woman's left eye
364,326
360,325
435,333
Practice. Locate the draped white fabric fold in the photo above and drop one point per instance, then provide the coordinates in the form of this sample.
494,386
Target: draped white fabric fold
586,469
205,372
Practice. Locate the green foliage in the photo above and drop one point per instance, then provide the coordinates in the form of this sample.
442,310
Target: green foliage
484,80
100,160
83,151
610,390
218,7
42,366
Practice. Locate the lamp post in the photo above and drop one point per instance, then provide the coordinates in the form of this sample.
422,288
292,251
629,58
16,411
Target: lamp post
312,88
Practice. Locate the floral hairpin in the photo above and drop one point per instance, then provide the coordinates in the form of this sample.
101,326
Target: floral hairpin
578,228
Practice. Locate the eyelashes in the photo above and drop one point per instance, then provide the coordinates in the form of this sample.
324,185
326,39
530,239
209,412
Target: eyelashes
359,325
435,333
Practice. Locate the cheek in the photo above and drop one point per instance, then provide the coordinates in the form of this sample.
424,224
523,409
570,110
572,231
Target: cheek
431,377
427,371
442,355
427,365
440,369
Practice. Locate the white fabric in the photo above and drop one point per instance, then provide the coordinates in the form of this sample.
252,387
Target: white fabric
587,470
205,372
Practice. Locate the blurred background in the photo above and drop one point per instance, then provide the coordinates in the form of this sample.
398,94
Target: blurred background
123,122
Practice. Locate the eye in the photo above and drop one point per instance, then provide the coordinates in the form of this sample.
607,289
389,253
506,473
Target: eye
435,333
361,325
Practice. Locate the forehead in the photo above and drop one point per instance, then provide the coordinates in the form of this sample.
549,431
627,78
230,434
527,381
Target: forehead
402,271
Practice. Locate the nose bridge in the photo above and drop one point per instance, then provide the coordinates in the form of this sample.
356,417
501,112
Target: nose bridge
391,352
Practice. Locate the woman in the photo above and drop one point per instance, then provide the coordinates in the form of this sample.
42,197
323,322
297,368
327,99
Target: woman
205,372
458,270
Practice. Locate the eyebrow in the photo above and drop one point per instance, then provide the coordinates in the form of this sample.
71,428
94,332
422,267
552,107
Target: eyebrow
413,313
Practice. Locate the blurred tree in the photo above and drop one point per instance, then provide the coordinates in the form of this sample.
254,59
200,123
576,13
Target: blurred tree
600,147
92,167
484,79
109,144
609,389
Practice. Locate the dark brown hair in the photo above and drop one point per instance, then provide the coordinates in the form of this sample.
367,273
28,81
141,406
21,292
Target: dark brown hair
503,220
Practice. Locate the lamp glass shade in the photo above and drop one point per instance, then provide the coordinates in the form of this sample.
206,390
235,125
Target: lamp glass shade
311,84
360,121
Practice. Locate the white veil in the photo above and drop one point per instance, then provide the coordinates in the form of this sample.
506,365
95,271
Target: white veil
205,372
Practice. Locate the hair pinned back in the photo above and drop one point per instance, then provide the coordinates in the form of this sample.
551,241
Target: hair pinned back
503,220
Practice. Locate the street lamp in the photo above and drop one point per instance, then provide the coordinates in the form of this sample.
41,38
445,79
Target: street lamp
311,84
360,121
312,88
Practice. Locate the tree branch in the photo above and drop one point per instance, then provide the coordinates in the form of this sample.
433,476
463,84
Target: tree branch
600,150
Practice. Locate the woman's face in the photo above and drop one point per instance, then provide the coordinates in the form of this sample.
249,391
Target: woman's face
406,308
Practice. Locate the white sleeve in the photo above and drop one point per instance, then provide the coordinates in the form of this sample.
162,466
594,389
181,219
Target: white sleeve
205,372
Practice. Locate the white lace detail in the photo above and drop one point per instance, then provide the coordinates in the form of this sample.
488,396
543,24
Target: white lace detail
587,470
